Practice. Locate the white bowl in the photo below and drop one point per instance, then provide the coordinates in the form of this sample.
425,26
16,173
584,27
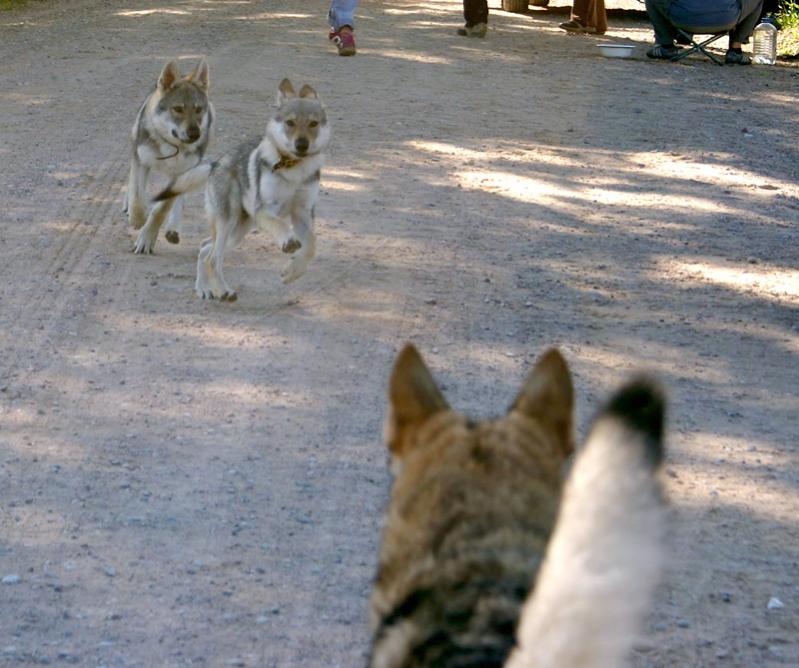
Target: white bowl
616,50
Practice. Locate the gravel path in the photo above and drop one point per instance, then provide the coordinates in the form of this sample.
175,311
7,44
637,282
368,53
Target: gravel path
193,483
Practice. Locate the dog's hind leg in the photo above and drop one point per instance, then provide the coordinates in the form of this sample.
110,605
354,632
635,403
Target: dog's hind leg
226,293
303,225
149,233
135,199
173,225
202,285
210,282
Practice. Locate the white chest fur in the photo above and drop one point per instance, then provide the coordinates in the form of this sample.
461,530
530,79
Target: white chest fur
277,188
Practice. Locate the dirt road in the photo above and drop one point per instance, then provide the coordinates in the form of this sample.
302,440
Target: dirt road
194,483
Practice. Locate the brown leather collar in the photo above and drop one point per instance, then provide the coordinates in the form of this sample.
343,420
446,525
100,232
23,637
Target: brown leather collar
286,162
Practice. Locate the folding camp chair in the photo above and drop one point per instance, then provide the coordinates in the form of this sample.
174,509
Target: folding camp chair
695,46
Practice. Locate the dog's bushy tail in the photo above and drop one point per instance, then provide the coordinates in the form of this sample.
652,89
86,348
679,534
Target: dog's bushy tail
604,558
189,181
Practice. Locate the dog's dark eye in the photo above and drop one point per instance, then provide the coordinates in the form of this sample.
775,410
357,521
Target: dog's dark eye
198,110
313,124
178,108
291,124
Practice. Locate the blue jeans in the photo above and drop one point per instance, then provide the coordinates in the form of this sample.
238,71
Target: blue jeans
703,17
342,13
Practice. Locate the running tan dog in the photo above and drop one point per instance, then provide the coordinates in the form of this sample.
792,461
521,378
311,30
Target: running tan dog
475,507
271,183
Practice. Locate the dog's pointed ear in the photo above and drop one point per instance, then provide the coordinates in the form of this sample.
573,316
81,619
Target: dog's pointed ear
285,90
200,74
169,75
307,91
413,397
547,396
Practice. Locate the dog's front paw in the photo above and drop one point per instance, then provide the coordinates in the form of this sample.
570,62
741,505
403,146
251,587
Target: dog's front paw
142,248
225,296
292,245
144,243
172,236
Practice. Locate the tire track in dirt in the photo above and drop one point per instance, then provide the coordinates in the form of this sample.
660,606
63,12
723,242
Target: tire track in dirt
69,267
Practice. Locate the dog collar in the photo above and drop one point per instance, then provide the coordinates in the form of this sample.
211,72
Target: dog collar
167,157
286,163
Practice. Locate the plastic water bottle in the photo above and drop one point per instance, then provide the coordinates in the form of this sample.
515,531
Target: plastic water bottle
765,42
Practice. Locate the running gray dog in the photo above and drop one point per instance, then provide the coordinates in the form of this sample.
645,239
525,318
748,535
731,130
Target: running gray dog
170,136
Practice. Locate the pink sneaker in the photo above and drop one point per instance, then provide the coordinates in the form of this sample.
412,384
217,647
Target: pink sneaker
344,41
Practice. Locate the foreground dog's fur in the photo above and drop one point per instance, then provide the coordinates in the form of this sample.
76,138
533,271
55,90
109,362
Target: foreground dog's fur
475,507
271,183
170,136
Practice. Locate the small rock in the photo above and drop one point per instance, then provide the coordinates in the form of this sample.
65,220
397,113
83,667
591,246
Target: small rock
15,579
261,619
431,301
110,572
773,603
9,649
236,661
684,624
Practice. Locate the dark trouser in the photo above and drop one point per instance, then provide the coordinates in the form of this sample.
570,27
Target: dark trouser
475,11
703,17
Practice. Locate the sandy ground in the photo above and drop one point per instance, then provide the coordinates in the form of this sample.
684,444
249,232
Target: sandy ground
194,483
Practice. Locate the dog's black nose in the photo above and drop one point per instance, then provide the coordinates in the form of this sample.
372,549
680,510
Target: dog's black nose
301,145
193,133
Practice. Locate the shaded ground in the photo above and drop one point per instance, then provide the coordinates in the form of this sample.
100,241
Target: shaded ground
190,483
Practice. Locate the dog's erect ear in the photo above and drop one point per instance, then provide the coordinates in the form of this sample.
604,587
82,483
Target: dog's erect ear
547,396
307,91
284,90
200,74
169,75
413,397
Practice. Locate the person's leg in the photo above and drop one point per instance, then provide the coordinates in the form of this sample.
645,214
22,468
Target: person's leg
587,16
342,13
739,35
750,15
475,12
580,10
664,30
342,22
